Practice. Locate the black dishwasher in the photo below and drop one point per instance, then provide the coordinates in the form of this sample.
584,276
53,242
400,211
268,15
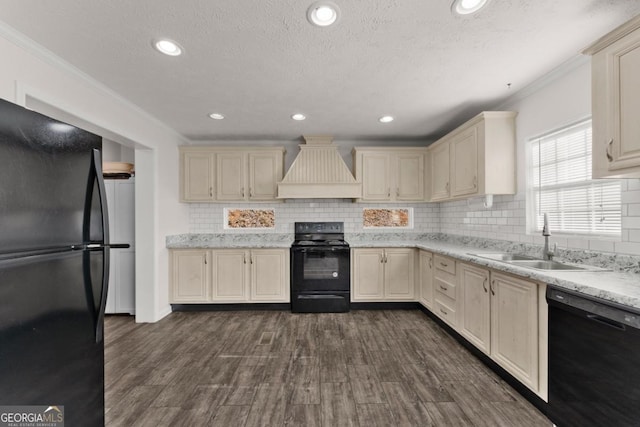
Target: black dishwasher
594,361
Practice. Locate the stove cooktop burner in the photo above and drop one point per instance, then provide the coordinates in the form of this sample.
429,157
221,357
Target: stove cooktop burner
320,243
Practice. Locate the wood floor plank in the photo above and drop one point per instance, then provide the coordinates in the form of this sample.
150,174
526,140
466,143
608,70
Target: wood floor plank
303,416
230,416
338,406
375,415
277,368
268,407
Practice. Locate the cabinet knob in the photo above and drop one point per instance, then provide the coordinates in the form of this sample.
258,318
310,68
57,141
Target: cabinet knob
242,192
475,182
210,191
250,193
607,151
388,192
205,258
446,187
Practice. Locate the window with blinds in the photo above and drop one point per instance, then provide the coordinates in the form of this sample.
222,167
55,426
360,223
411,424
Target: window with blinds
562,186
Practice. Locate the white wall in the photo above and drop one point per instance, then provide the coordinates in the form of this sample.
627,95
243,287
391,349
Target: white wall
31,76
559,99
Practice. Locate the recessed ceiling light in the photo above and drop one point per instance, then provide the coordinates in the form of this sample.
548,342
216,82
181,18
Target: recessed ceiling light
466,7
323,13
216,116
385,119
168,47
298,117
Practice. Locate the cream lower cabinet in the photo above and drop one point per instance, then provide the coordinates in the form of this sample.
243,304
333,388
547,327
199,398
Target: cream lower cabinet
475,302
190,276
383,274
514,327
499,314
445,286
425,272
616,102
230,276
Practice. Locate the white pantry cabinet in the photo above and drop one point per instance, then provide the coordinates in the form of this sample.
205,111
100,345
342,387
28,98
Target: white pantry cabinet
475,159
382,274
616,102
121,297
211,174
230,275
390,174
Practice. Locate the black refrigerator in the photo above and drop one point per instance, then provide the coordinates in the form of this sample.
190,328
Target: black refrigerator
54,265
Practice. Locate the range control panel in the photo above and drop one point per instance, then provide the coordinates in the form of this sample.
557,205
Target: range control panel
319,227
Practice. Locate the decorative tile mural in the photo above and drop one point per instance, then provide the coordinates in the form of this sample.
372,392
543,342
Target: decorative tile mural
250,218
386,218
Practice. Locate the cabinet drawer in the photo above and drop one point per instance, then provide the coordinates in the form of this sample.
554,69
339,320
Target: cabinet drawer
445,264
445,312
445,286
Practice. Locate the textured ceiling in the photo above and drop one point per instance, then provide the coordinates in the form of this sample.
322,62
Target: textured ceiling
257,62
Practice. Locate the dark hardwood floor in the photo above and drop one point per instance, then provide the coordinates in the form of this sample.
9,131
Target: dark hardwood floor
275,368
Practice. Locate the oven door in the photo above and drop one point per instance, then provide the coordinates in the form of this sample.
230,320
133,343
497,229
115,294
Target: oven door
320,269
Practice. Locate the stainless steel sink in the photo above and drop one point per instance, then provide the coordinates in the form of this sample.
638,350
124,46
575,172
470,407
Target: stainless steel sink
546,265
506,257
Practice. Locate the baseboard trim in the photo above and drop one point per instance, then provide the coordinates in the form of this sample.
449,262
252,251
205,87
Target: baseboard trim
231,307
384,305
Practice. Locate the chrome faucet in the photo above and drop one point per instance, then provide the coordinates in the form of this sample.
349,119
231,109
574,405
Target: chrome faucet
547,254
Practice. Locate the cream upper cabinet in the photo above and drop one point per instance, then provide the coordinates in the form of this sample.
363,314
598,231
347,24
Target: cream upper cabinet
464,163
514,327
197,172
190,277
476,159
383,274
391,174
229,276
426,278
231,174
475,302
439,155
616,102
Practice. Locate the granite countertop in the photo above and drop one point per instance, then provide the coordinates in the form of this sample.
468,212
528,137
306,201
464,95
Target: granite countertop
230,240
621,286
615,286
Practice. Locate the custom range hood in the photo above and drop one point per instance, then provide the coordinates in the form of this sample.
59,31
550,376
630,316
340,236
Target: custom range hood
318,172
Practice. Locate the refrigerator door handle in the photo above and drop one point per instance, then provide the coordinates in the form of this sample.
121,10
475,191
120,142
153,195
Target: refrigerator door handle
96,166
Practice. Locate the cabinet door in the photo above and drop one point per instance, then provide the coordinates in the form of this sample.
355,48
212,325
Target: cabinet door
368,275
426,279
230,176
399,278
123,216
616,102
376,176
440,172
514,327
198,177
464,163
265,170
125,271
409,174
269,275
474,319
189,276
230,275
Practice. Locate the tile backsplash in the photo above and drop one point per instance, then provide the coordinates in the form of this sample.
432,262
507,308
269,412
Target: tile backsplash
505,220
209,217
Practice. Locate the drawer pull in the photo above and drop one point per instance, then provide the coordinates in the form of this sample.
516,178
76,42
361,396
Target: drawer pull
430,263
444,312
444,264
444,288
484,285
493,283
205,259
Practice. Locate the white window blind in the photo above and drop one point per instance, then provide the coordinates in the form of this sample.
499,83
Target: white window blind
563,188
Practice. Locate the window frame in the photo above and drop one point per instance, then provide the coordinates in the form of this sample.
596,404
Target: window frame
532,198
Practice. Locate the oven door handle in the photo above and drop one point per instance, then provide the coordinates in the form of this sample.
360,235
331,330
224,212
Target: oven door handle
317,250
